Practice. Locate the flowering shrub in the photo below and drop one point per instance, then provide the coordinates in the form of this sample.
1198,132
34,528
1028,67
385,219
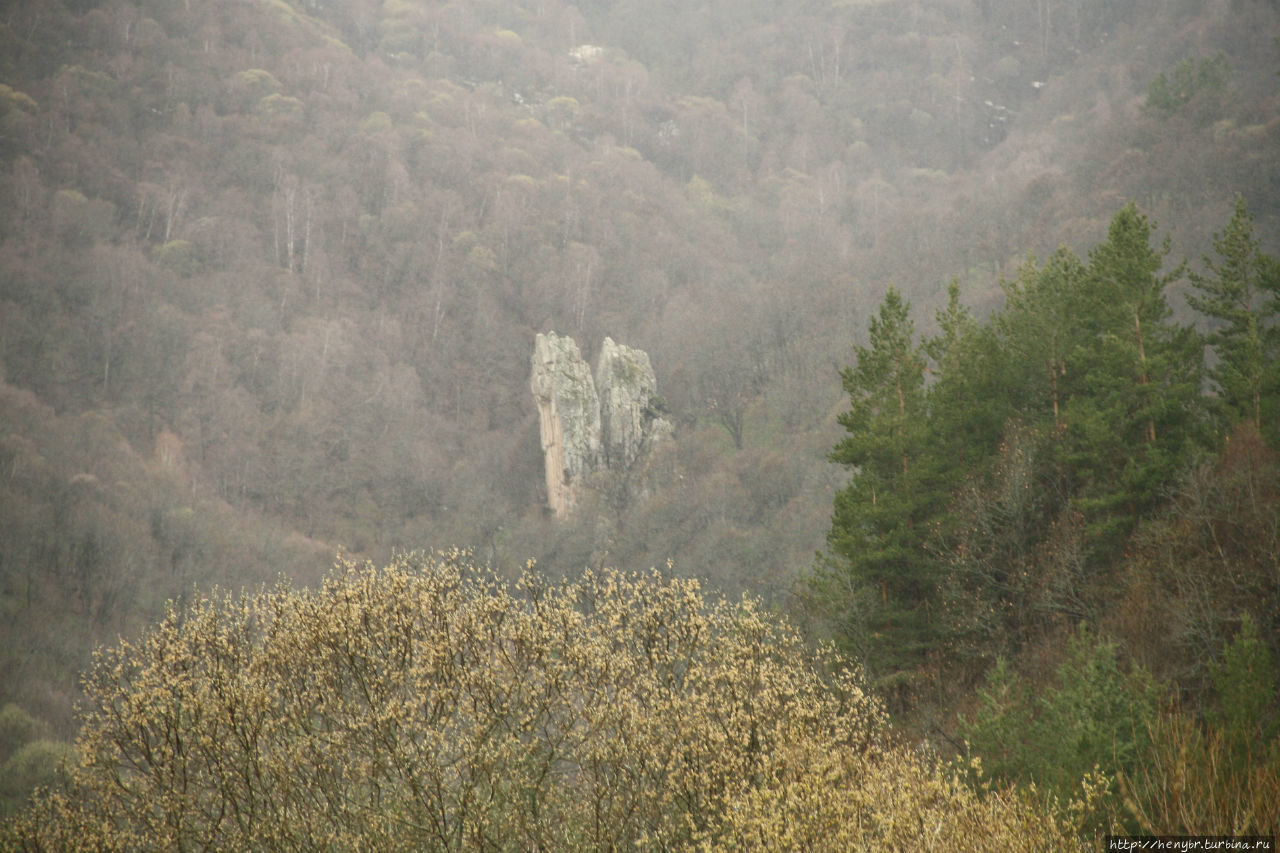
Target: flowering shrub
427,705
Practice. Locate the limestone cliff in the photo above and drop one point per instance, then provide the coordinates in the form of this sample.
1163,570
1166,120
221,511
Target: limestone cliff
607,423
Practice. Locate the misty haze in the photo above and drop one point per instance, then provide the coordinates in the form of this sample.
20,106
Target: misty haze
638,424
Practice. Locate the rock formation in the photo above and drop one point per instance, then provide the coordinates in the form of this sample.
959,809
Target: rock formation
568,416
609,423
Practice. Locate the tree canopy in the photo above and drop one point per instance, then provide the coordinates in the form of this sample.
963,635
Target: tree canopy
995,485
428,705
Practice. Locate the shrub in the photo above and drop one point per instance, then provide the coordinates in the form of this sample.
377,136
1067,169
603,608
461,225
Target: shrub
1071,736
16,728
1224,772
36,763
1191,782
427,705
1245,682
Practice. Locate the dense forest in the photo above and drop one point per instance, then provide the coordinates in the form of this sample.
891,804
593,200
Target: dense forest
964,311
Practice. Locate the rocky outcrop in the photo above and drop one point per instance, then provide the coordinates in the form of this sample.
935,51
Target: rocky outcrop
610,422
568,417
629,419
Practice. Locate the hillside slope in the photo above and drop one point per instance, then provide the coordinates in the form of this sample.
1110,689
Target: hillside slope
270,271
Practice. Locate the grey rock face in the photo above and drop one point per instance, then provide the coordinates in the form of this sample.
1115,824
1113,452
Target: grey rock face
609,423
627,386
568,416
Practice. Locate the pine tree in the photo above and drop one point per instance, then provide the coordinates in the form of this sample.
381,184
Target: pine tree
1138,416
877,578
965,417
1241,293
1038,329
1245,682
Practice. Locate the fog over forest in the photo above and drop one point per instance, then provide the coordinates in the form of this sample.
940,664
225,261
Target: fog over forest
963,322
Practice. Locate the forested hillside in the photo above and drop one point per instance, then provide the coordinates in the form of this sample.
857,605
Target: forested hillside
1079,512
271,273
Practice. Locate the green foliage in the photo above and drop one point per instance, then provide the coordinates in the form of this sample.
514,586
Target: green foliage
1168,772
965,421
886,393
1095,714
29,757
880,520
1015,478
1241,296
38,763
1138,421
16,728
1001,726
1043,322
1224,772
1090,714
1193,80
1246,682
